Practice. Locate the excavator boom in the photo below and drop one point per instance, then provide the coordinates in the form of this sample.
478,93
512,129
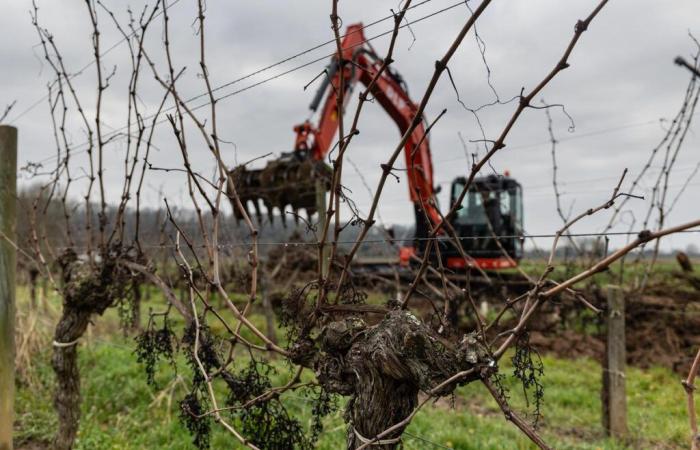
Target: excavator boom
293,180
288,181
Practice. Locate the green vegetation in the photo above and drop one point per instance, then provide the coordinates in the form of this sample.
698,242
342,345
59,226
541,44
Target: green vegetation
120,411
632,271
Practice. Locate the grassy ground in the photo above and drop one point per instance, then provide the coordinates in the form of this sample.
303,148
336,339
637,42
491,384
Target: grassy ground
120,411
630,274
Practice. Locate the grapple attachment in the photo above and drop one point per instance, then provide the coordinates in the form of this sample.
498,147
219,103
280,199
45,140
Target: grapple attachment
289,181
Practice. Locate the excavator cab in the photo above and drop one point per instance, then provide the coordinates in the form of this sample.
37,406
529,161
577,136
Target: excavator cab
489,222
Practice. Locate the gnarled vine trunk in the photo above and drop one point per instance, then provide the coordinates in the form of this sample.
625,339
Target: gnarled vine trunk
88,290
384,367
380,403
64,362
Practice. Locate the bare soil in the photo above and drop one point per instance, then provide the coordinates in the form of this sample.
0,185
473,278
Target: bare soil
661,330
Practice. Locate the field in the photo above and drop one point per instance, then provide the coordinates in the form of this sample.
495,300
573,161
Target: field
121,411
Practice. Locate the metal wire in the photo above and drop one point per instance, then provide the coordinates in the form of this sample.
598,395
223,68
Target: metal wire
86,66
117,131
412,239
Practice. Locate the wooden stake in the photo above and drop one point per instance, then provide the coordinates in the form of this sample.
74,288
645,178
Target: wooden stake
8,261
614,398
268,311
320,210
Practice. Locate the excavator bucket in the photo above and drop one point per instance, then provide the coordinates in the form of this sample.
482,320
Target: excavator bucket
290,181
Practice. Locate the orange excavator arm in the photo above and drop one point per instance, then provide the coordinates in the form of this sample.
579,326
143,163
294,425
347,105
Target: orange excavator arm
292,180
360,63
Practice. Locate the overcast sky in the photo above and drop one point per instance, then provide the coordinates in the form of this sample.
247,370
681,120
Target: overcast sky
621,82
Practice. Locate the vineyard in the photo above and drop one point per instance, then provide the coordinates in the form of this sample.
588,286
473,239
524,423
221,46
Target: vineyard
170,279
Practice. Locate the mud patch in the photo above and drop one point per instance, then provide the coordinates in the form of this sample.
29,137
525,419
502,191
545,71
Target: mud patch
661,330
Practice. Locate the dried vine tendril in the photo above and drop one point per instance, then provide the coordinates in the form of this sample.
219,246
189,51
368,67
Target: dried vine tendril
528,368
324,404
265,421
498,379
193,415
153,345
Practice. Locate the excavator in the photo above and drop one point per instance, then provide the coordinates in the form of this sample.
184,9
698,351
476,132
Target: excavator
489,221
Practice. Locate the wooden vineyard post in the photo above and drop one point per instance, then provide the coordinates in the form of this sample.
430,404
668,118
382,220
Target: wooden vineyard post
8,258
614,397
268,310
320,210
689,386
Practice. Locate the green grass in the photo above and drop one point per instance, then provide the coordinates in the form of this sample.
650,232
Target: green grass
632,272
120,411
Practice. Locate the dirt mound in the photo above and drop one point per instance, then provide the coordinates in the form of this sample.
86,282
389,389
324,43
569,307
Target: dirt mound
661,330
568,344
